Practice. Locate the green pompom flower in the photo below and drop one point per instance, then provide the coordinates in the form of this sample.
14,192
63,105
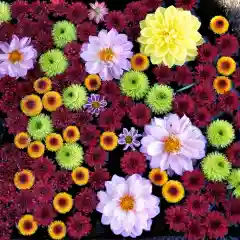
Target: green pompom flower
216,167
160,98
53,62
220,133
234,181
70,156
134,84
74,97
39,126
5,12
63,32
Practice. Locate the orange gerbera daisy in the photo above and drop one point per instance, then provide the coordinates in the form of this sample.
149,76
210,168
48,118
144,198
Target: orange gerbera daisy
63,202
139,62
27,225
173,191
219,24
31,105
57,230
24,179
80,176
22,140
108,141
226,66
222,84
52,101
54,142
71,134
92,82
35,149
158,177
42,85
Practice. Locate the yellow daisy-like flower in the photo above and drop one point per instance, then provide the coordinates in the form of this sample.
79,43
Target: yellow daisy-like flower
52,101
54,142
139,62
63,202
24,179
42,85
80,176
173,191
170,36
219,24
36,149
226,66
71,134
57,230
31,105
158,177
222,84
108,141
27,225
92,82
22,140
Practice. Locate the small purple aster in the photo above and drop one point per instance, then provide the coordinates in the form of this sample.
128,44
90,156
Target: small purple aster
129,138
95,104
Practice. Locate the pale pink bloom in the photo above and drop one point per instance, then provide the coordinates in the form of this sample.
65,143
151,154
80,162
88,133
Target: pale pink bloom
97,11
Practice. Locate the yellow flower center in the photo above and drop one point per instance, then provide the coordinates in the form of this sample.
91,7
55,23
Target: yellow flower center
127,203
106,54
95,104
172,144
128,139
15,56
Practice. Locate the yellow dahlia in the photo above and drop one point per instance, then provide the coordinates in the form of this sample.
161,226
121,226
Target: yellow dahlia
170,36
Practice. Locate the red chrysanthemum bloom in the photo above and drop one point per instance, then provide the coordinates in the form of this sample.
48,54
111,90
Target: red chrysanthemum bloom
77,12
8,84
59,9
140,114
136,11
62,180
98,178
205,73
7,30
216,192
116,20
177,218
44,213
202,117
83,118
89,135
163,74
95,157
227,44
72,50
186,4
18,8
9,102
7,190
232,208
207,53
86,29
123,104
195,230
183,104
10,214
233,154
132,30
43,191
237,120
236,78
24,88
217,225
110,90
193,181
133,162
38,9
5,231
110,120
183,75
197,205
152,4
86,201
75,73
229,102
24,161
24,200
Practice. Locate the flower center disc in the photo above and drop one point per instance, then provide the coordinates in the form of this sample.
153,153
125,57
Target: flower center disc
128,139
172,144
15,56
106,54
127,203
95,104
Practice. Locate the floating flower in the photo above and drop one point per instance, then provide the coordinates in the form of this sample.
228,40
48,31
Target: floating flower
43,191
219,24
128,205
140,114
163,74
62,180
234,181
193,180
35,149
98,178
173,191
92,82
80,176
31,105
52,101
216,167
139,62
63,202
158,177
53,142
129,138
17,57
57,230
42,85
27,225
107,54
116,20
95,156
195,229
97,11
222,84
207,53
5,12
22,140
197,205
229,102
24,179
108,141
95,104
227,44
226,66
171,145
71,134
44,213
168,43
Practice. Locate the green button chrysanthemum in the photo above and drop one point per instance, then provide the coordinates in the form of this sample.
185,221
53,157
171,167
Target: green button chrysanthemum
216,167
5,12
134,84
160,98
74,97
220,133
234,181
39,126
53,62
70,156
63,32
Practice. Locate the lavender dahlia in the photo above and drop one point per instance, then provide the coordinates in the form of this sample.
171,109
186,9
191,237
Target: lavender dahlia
95,104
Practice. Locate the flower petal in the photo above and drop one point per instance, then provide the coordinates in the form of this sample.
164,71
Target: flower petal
155,148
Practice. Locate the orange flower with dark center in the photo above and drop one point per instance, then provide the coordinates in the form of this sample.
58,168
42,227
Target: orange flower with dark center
80,176
219,24
22,140
71,134
31,105
35,149
24,179
54,142
226,66
222,84
92,82
158,177
139,62
108,141
52,101
42,85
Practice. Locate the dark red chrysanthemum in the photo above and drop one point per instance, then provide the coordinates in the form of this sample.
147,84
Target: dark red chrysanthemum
24,88
227,44
237,120
109,90
233,154
86,201
202,117
217,225
5,231
133,162
152,4
7,30
18,8
207,53
8,154
43,191
229,102
24,200
77,12
232,208
86,29
109,120
24,161
183,75
83,118
140,114
205,73
7,190
8,84
183,104
163,74
116,20
89,135
9,102
95,157
122,104
195,230
62,180
72,50
186,4
98,178
78,225
197,205
132,30
11,214
136,11
44,213
236,78
216,192
177,218
59,9
193,181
